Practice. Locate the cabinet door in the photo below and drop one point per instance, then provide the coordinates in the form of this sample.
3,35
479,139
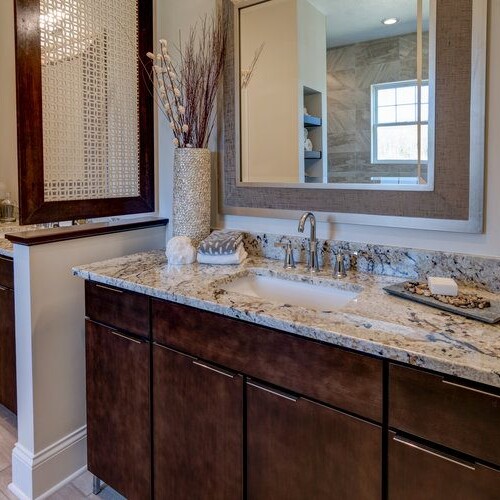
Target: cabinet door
418,472
6,272
118,411
198,429
7,350
298,450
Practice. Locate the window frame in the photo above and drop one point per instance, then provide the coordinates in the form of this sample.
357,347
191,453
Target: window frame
375,125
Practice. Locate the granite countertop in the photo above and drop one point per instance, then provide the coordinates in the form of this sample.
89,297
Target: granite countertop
6,248
375,323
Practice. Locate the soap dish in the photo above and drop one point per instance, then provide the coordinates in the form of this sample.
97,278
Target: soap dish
489,315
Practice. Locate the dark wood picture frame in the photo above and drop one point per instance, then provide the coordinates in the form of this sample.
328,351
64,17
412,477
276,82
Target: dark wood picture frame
33,209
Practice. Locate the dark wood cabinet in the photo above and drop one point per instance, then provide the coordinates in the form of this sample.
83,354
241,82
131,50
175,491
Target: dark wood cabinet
419,472
118,410
186,404
198,429
456,415
6,272
298,449
122,310
8,389
8,393
338,377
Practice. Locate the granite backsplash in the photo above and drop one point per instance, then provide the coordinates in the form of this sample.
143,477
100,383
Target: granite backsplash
483,272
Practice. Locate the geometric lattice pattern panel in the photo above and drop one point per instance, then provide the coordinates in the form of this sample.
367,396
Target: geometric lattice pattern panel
90,98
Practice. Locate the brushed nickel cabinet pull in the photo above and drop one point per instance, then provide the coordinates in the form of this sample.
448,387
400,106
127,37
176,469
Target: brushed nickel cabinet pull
275,393
471,389
114,332
3,289
211,368
165,348
109,288
411,444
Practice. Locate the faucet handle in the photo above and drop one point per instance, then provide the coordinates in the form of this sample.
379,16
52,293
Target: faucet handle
359,254
289,262
339,271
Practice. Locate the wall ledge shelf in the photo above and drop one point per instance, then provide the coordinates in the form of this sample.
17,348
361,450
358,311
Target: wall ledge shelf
53,235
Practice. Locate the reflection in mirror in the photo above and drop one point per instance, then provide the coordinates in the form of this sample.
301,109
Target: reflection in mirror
8,158
337,94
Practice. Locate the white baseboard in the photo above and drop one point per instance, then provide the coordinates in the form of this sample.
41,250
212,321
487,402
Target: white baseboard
37,476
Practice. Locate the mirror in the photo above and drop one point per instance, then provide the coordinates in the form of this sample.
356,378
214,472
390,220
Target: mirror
8,159
452,198
87,149
340,96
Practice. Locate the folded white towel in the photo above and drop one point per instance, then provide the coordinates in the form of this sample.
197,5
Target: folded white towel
236,258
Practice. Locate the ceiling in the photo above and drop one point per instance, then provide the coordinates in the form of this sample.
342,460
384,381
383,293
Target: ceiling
353,21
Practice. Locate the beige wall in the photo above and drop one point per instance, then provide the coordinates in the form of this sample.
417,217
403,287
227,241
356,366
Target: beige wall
269,120
8,137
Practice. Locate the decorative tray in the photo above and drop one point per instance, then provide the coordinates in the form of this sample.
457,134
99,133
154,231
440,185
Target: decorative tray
487,315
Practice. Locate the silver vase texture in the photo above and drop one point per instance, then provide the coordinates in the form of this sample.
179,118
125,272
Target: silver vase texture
192,193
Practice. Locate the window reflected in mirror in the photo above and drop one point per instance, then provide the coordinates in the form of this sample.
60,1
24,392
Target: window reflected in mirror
337,94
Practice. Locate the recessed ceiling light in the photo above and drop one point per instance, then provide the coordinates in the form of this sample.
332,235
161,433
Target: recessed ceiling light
389,21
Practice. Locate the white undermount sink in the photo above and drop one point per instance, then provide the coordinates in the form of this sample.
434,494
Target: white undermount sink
294,293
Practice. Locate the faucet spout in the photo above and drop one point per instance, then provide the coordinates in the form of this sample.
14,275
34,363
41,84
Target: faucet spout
313,262
302,223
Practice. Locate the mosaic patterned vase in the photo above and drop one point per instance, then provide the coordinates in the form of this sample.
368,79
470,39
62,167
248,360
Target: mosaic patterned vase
192,192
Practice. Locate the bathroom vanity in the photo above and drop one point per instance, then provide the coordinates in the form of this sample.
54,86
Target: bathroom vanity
197,392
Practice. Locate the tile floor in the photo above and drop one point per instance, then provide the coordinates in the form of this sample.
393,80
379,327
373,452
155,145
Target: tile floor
8,438
80,488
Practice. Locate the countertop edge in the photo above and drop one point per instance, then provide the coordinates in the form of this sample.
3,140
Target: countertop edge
370,347
4,252
53,235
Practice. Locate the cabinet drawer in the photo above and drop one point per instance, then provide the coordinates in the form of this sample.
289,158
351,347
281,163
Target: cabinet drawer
6,272
419,472
346,380
117,308
456,416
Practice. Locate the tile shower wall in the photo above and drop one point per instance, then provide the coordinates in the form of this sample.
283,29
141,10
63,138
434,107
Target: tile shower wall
351,70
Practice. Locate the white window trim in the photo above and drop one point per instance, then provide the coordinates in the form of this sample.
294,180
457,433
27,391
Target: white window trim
374,125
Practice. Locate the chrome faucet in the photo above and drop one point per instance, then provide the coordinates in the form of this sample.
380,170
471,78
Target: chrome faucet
289,262
339,271
313,263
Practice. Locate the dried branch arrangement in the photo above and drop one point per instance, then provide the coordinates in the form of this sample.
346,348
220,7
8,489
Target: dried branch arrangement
186,85
246,74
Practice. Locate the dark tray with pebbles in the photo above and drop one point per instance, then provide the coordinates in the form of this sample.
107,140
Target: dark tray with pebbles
465,304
